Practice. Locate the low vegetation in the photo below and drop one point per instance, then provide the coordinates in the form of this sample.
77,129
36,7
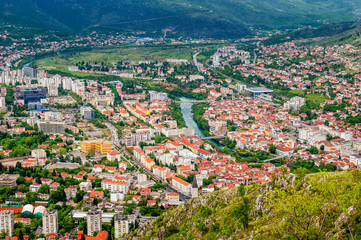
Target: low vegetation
317,206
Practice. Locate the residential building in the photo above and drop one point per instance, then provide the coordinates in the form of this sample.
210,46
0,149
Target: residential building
99,145
294,103
85,186
121,226
115,186
7,222
50,221
182,185
113,155
160,96
8,180
94,221
87,113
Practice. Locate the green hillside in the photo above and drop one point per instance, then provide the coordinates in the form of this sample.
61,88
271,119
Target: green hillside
211,18
352,36
326,30
318,206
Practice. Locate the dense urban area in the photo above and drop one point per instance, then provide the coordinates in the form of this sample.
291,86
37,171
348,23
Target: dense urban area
94,147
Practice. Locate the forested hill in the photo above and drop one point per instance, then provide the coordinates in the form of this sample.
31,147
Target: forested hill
316,206
211,18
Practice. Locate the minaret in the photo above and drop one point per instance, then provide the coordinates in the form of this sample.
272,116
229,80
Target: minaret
194,190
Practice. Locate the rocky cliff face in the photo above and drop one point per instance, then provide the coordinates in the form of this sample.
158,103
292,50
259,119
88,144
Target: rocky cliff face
320,206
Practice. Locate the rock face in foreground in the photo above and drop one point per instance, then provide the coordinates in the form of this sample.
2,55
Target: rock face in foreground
320,206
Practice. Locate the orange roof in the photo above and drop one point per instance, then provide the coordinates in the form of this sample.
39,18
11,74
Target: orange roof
15,209
113,152
98,166
173,194
101,236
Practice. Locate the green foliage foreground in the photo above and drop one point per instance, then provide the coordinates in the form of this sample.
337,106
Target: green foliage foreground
318,206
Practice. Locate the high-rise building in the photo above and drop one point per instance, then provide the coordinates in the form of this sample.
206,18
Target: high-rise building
94,221
160,96
121,226
87,113
50,221
30,72
2,102
7,222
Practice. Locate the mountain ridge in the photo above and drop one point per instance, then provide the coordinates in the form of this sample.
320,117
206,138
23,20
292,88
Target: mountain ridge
316,206
213,18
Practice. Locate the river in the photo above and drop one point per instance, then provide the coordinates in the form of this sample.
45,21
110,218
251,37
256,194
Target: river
186,109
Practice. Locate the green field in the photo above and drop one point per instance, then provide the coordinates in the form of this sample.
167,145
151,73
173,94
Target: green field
117,54
316,99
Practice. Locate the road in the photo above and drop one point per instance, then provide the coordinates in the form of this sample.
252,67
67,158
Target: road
196,61
116,143
114,134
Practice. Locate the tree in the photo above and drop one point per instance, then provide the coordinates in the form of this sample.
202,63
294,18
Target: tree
20,180
61,151
45,189
301,172
91,152
313,150
21,235
242,212
272,149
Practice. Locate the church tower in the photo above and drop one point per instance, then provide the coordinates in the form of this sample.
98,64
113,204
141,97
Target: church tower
194,190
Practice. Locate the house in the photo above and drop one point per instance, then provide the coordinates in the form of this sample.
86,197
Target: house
113,155
20,195
136,199
47,181
284,151
151,203
98,168
25,221
172,196
34,187
54,186
110,169
123,165
145,191
71,191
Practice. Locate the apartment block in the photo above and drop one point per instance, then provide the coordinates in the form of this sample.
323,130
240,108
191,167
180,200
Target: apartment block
99,145
94,221
121,226
7,222
50,221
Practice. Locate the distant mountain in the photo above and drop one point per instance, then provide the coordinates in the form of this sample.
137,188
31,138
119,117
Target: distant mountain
211,18
330,29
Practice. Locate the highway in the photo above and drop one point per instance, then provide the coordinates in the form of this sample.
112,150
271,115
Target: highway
116,143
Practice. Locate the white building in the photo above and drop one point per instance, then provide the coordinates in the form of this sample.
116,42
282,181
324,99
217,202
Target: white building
121,226
2,102
182,185
67,83
7,222
38,153
116,196
85,186
50,221
115,186
294,103
113,155
94,221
